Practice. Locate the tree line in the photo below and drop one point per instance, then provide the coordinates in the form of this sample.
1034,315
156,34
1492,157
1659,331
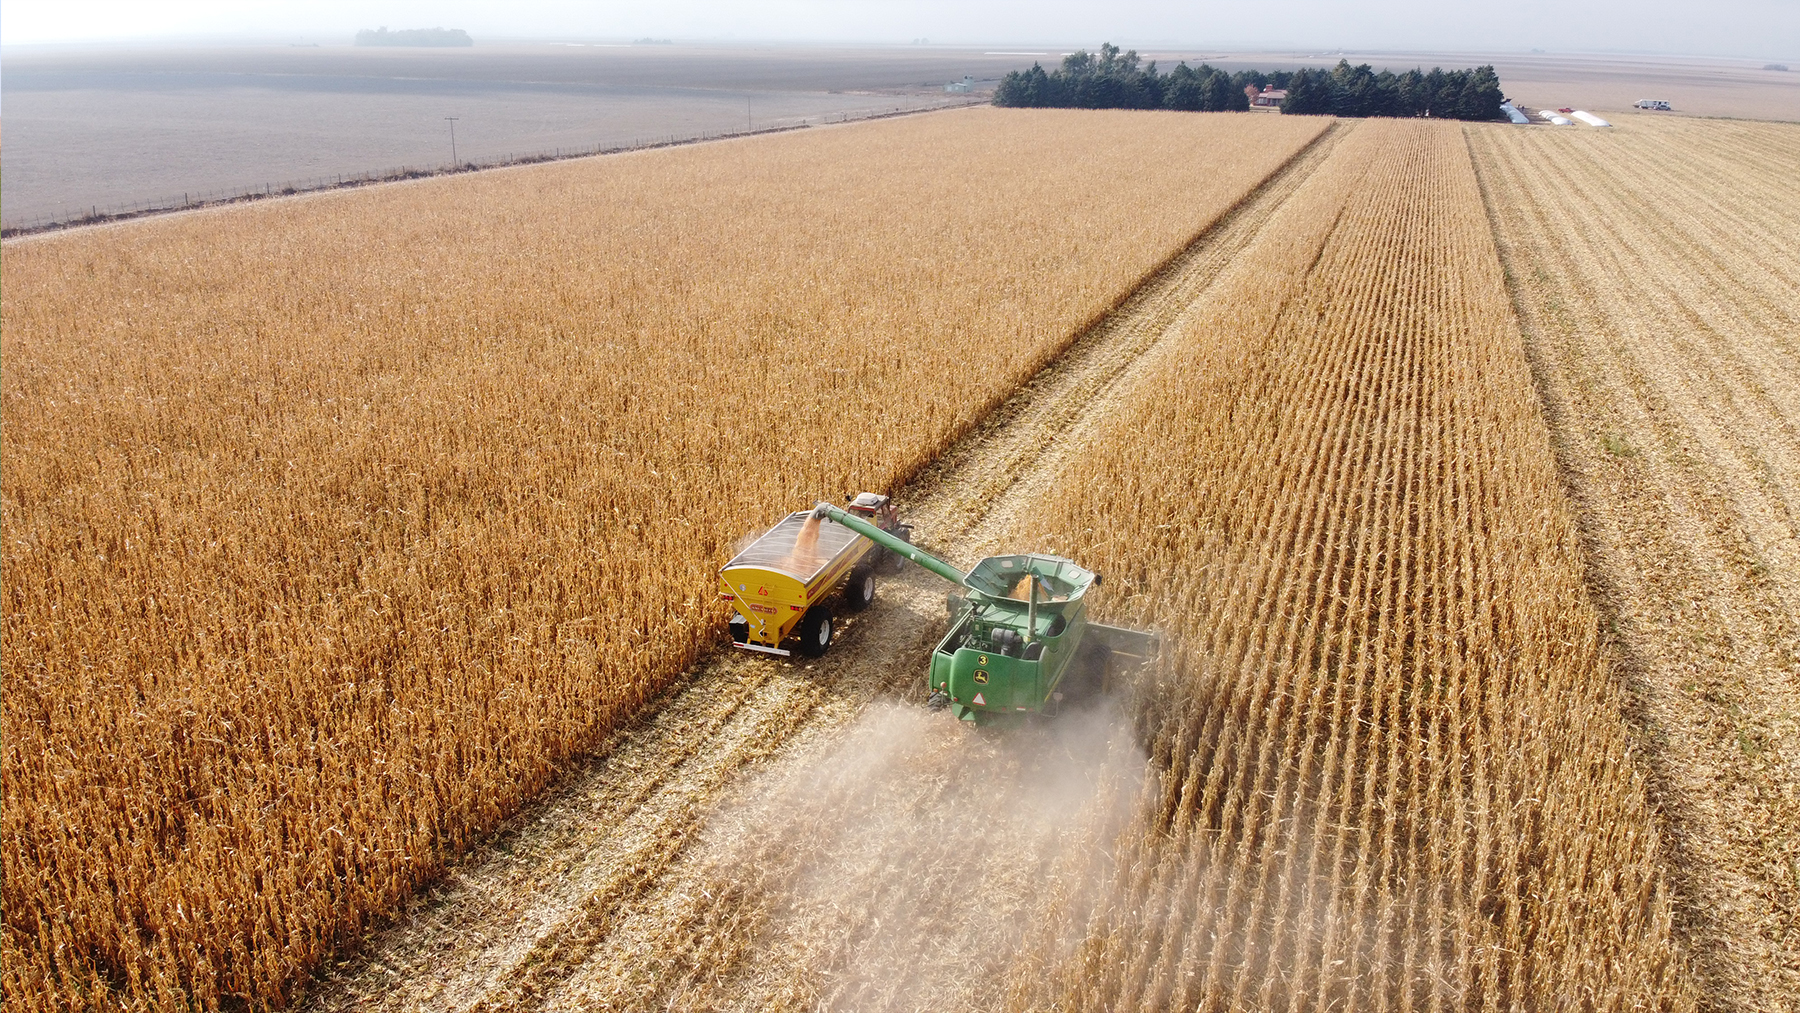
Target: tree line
1112,79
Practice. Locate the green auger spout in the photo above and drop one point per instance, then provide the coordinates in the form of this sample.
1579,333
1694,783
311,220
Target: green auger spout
905,550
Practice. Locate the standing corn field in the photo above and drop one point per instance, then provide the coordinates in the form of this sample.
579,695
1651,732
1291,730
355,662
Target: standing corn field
335,526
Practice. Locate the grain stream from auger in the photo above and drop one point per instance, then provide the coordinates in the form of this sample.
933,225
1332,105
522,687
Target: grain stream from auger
1657,272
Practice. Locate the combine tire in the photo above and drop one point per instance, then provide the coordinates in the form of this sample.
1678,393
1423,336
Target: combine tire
860,591
815,631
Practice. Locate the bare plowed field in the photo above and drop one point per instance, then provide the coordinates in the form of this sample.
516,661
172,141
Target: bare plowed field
1656,270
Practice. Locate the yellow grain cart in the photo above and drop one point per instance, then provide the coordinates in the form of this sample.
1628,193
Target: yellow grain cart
784,584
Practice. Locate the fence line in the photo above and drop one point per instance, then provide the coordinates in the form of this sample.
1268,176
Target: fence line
313,184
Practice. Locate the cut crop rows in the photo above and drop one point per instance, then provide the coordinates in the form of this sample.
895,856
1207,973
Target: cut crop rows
1656,269
1391,767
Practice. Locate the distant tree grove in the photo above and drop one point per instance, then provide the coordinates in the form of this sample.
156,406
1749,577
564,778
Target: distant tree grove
1113,79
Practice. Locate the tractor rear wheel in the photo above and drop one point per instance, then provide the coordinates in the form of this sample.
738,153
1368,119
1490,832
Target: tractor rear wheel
860,591
815,631
896,561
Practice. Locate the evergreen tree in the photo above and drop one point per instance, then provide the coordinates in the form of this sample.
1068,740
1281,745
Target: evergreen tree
1309,94
1185,89
1480,96
1032,89
1113,79
1222,96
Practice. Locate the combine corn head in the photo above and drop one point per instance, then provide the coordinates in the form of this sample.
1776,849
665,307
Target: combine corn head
1019,638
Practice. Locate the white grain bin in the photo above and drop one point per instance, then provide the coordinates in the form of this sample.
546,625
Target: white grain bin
1590,119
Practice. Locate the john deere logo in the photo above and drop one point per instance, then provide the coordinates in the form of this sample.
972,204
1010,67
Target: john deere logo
981,677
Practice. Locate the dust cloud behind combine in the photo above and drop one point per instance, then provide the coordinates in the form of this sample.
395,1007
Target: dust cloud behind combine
898,865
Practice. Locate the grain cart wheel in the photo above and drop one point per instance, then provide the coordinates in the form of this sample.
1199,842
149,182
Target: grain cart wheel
815,631
740,630
860,591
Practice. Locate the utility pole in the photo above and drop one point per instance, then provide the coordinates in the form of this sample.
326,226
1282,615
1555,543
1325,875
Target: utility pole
452,120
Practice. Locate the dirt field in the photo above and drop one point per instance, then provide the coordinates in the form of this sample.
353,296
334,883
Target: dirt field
106,128
90,128
1610,85
1658,277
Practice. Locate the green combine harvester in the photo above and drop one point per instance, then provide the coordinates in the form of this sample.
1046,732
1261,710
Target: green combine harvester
1019,640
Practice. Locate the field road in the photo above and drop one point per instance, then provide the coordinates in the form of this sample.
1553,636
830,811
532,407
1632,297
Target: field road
607,892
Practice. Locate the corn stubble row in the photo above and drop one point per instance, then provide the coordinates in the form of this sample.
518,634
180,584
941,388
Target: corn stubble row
333,526
1665,336
1392,768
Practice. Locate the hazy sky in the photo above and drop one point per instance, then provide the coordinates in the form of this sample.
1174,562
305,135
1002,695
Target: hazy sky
1753,28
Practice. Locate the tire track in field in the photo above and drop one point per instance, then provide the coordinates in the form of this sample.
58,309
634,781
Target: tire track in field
516,918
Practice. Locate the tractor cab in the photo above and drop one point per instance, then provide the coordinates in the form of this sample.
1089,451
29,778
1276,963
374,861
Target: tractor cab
876,509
